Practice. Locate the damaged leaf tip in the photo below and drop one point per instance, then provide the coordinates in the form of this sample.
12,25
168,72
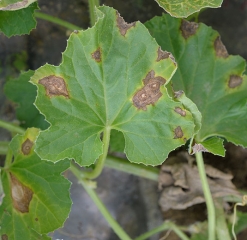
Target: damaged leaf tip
54,86
123,26
220,48
188,28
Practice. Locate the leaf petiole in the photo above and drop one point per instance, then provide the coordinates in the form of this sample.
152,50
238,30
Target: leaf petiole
11,127
92,5
207,195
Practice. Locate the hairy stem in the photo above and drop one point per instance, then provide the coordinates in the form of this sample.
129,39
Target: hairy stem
58,21
92,5
112,222
139,170
162,227
207,195
11,127
101,161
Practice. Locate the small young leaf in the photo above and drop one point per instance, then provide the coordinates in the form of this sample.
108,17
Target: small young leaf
18,22
184,8
15,4
36,195
112,76
209,76
22,92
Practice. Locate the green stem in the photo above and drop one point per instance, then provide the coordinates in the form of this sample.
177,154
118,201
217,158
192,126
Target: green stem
112,222
101,161
56,20
11,127
207,195
139,170
92,5
8,159
4,148
162,227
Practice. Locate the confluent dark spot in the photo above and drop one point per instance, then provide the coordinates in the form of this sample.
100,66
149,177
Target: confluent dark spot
26,146
150,93
180,111
4,237
122,25
188,28
162,54
21,195
54,86
97,55
220,48
234,81
178,133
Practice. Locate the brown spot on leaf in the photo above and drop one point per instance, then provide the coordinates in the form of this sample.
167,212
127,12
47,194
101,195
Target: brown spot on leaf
97,55
21,195
26,146
234,81
150,93
36,219
54,86
178,133
4,237
180,111
162,54
188,28
122,25
220,48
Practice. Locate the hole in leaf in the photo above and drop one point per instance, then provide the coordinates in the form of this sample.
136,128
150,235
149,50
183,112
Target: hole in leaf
178,132
234,81
21,195
122,25
220,48
188,28
97,55
26,146
180,111
54,86
150,93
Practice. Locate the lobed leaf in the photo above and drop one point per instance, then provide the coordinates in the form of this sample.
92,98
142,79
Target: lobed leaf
18,22
209,76
36,195
104,82
184,8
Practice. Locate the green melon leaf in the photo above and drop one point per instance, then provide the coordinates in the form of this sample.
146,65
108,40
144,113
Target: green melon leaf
184,8
18,22
105,74
12,5
209,76
22,92
37,197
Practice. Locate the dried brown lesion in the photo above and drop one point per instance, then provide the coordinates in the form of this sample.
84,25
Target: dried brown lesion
150,93
180,111
220,48
178,132
26,146
21,195
54,86
188,29
123,26
96,55
234,81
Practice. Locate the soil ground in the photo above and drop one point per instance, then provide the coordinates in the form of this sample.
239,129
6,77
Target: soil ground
131,200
